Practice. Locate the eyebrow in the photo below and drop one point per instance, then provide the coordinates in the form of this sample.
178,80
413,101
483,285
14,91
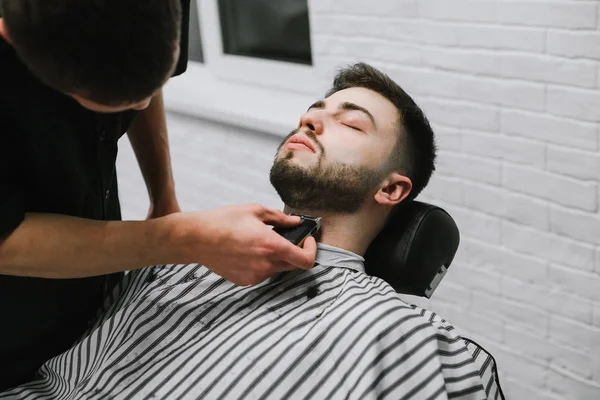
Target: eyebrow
347,106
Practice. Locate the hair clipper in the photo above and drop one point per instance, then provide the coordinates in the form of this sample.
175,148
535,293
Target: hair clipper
308,226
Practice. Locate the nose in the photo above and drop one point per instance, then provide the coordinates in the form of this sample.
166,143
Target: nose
312,120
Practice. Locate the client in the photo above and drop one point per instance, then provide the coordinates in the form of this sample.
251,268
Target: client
333,332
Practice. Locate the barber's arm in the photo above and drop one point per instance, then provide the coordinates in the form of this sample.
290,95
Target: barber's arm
149,139
233,242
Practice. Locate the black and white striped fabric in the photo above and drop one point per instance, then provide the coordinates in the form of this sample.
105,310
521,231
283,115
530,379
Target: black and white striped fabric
182,332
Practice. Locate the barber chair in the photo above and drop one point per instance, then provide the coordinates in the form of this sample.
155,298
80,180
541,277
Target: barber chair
414,249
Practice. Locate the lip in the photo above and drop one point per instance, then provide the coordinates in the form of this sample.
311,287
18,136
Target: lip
301,141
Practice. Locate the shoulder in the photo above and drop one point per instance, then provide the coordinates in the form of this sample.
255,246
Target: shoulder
387,310
456,349
415,330
377,293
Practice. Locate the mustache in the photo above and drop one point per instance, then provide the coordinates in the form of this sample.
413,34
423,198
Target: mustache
311,135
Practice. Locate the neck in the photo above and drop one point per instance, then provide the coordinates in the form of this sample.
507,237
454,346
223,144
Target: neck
352,232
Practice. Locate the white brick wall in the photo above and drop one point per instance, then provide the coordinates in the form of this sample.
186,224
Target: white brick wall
513,91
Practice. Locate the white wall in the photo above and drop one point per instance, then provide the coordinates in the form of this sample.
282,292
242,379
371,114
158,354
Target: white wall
213,164
512,89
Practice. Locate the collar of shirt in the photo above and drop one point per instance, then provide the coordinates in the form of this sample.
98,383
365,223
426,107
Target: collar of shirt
330,256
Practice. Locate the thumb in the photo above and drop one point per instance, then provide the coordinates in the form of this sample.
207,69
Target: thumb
309,247
278,218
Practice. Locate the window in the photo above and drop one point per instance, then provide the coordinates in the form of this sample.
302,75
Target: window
276,30
250,64
195,41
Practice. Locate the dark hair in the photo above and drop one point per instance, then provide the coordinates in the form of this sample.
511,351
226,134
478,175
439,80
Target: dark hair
414,152
113,52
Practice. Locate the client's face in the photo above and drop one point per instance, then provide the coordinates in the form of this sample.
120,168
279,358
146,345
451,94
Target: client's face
334,161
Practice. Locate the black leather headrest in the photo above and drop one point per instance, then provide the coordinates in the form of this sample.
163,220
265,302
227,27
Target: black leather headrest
414,249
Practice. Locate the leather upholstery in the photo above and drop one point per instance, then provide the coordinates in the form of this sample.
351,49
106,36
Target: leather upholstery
415,248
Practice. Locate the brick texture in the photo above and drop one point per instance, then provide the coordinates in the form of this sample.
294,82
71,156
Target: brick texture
512,89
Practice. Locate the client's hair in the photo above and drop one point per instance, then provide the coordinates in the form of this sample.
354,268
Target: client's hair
113,52
414,152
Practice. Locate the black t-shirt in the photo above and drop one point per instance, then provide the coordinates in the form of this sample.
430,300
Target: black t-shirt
55,157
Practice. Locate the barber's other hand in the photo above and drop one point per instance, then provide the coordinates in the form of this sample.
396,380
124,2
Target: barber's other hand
236,243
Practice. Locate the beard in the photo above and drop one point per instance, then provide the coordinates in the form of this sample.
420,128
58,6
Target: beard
338,187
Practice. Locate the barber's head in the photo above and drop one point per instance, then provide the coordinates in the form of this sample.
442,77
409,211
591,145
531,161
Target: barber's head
110,55
366,143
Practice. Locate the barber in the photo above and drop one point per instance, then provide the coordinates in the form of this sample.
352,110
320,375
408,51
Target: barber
76,75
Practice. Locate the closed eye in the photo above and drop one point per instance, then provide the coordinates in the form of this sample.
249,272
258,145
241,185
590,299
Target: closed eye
353,127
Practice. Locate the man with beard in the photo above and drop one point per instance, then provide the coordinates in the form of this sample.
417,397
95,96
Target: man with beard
177,332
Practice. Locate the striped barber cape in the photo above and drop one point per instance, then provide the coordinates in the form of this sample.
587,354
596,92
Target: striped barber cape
182,332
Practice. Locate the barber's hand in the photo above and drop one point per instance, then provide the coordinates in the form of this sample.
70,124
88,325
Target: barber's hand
236,243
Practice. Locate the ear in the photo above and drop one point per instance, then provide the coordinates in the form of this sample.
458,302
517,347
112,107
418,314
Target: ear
394,190
3,31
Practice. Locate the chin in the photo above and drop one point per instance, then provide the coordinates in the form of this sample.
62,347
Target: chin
301,158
